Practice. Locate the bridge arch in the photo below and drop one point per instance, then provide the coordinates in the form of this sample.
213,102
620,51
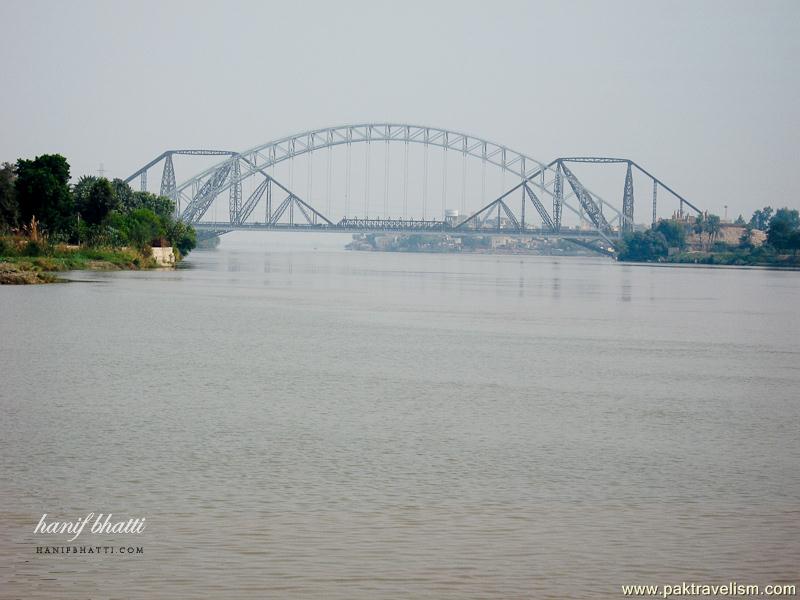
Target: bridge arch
536,179
273,152
228,174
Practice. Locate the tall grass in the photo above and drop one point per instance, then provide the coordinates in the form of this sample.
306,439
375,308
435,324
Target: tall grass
40,255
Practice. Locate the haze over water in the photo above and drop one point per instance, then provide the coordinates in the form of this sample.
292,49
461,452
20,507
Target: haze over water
295,420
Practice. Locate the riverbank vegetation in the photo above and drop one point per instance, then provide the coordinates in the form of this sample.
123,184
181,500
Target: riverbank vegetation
465,243
770,238
48,225
36,262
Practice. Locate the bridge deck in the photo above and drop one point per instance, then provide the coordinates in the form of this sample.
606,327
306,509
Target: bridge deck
438,228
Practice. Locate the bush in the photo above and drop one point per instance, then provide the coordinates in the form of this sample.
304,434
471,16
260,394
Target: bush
37,248
137,228
721,247
7,247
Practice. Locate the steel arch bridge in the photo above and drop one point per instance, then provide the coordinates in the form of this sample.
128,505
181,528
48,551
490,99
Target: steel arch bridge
548,188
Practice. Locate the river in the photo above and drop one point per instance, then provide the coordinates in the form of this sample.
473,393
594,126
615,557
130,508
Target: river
299,421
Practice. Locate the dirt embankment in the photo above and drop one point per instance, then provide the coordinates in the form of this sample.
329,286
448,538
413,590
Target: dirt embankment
11,274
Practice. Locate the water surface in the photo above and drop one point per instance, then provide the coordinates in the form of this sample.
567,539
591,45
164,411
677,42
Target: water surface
295,420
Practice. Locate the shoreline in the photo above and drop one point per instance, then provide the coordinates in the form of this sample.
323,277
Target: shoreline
700,265
732,259
34,270
778,266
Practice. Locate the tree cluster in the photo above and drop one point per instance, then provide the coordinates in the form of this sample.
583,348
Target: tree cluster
760,218
674,232
644,246
783,231
95,211
654,244
707,224
782,227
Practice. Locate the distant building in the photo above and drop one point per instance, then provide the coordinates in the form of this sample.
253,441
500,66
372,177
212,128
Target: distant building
383,242
451,217
731,233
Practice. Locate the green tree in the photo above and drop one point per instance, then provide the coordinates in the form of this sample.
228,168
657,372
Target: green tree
649,245
782,229
794,242
182,236
746,239
160,205
712,226
99,201
81,190
699,226
673,231
144,217
130,200
760,218
139,228
9,208
124,195
42,187
739,220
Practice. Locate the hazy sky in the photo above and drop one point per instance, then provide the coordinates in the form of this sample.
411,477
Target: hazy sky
704,94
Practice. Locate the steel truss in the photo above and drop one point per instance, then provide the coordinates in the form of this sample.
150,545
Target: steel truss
656,181
392,224
168,182
536,182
